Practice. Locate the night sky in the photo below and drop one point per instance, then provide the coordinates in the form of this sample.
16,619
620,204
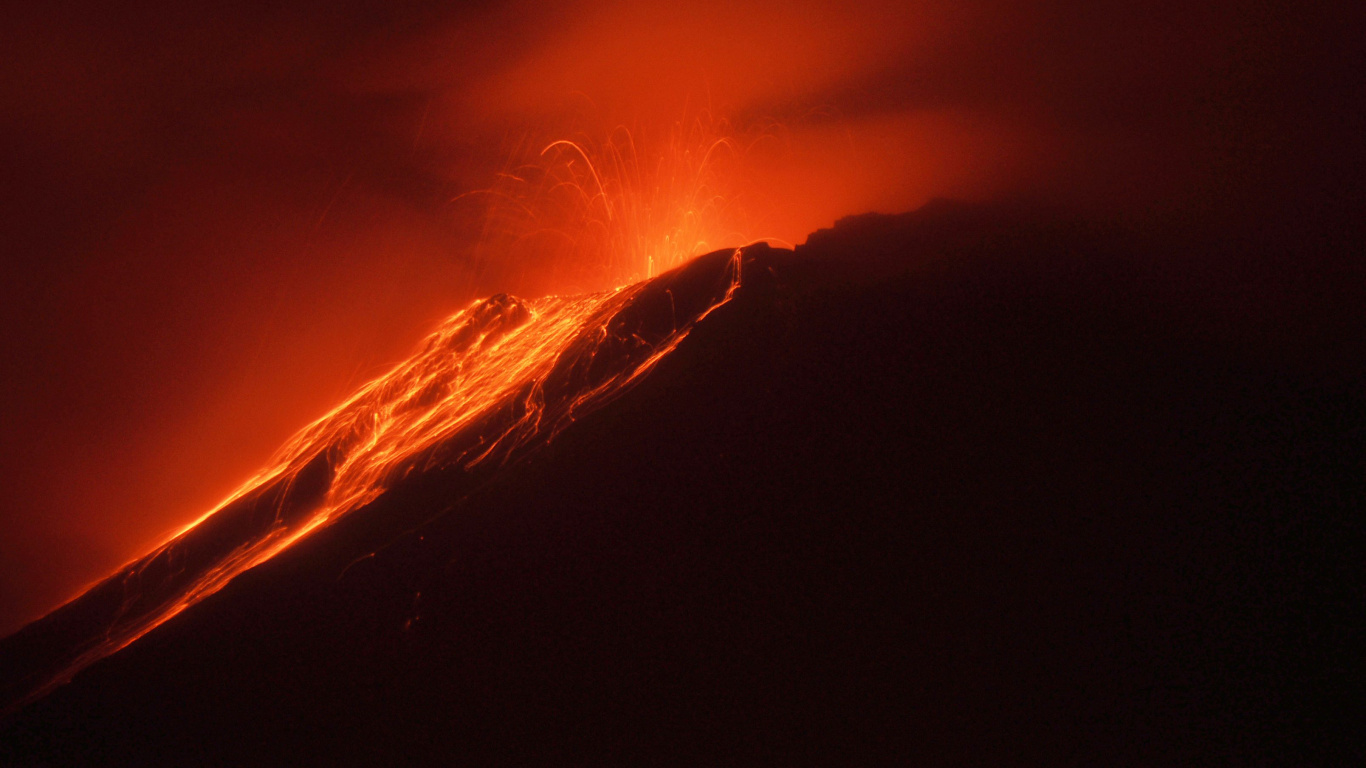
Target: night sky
219,220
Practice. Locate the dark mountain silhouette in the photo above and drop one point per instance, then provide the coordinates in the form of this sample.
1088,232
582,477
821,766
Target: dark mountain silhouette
968,485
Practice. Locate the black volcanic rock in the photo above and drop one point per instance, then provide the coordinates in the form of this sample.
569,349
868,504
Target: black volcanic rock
966,485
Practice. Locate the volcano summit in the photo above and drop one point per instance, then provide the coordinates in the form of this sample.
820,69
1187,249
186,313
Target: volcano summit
971,484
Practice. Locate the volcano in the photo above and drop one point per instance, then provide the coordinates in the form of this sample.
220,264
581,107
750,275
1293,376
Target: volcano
968,484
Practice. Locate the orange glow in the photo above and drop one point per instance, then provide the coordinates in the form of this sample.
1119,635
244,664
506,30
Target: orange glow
591,212
643,60
228,219
261,209
497,378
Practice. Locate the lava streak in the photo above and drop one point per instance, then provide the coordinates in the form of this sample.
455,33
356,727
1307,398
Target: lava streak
497,379
607,206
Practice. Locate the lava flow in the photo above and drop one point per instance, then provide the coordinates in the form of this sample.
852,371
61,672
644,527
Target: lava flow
495,380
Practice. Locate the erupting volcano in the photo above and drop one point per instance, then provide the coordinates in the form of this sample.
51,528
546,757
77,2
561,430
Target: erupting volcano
699,459
732,499
497,379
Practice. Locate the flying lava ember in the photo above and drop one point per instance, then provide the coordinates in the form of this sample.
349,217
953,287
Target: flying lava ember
586,213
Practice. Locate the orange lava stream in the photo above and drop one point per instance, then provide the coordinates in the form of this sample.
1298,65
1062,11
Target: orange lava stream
498,376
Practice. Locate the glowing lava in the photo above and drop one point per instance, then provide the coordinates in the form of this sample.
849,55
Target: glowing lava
608,207
497,379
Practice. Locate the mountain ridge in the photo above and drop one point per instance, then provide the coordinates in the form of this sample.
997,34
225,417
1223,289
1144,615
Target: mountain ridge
991,494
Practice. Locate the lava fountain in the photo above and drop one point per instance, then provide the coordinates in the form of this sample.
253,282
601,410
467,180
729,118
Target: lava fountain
599,209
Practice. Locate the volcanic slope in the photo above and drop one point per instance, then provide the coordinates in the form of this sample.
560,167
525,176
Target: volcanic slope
961,485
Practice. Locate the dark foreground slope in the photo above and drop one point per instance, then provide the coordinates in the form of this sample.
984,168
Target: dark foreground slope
952,487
